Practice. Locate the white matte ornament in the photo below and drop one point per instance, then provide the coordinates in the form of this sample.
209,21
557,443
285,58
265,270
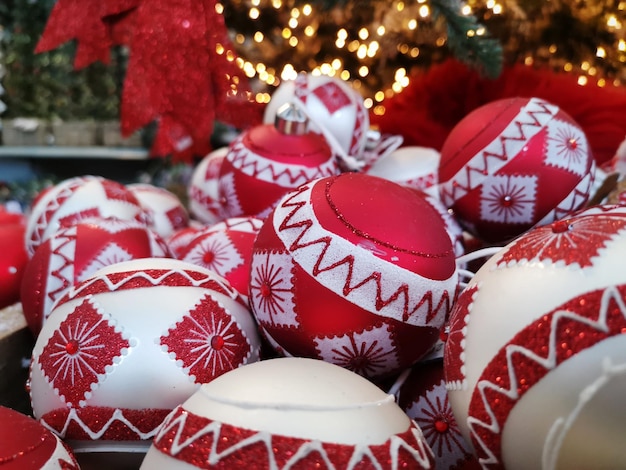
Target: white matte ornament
289,413
536,343
126,346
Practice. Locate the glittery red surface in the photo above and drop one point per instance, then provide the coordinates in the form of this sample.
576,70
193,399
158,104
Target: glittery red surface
105,423
575,240
458,321
559,334
79,351
174,77
205,443
208,341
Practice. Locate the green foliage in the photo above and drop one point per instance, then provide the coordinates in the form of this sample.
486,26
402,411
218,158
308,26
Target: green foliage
468,40
46,85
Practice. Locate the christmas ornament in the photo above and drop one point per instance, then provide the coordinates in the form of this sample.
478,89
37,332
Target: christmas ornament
356,270
513,164
412,166
13,256
74,254
28,445
422,395
275,414
124,347
76,199
204,199
333,107
164,211
436,100
226,248
536,342
178,241
268,160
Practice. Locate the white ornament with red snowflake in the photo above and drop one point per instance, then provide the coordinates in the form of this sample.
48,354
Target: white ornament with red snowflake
513,164
225,248
164,211
356,270
76,199
536,342
122,348
289,413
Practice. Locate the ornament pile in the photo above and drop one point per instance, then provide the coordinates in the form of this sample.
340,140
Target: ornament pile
299,291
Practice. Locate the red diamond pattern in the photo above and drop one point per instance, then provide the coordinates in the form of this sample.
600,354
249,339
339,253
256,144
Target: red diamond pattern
79,351
208,341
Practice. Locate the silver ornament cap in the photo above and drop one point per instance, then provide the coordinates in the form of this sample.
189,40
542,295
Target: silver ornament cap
290,120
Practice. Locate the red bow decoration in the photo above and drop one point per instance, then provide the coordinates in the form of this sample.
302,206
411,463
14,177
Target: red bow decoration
179,73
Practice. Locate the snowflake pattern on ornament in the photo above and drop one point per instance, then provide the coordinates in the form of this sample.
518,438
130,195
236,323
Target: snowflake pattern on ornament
110,254
208,341
508,199
228,196
576,240
368,353
215,252
76,357
433,414
271,291
566,147
333,96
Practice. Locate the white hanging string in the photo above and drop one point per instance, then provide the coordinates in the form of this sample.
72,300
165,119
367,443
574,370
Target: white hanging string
465,274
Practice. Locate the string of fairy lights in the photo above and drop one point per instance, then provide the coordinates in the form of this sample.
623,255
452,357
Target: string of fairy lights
275,39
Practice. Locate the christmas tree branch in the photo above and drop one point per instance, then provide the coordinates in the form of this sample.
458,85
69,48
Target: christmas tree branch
468,40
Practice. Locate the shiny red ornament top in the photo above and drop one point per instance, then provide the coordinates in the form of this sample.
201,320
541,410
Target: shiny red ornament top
393,222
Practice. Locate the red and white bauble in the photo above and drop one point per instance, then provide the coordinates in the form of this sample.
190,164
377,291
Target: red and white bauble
226,248
513,164
178,241
536,342
204,199
165,212
264,163
74,254
289,413
333,106
355,270
424,398
76,199
27,445
121,349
